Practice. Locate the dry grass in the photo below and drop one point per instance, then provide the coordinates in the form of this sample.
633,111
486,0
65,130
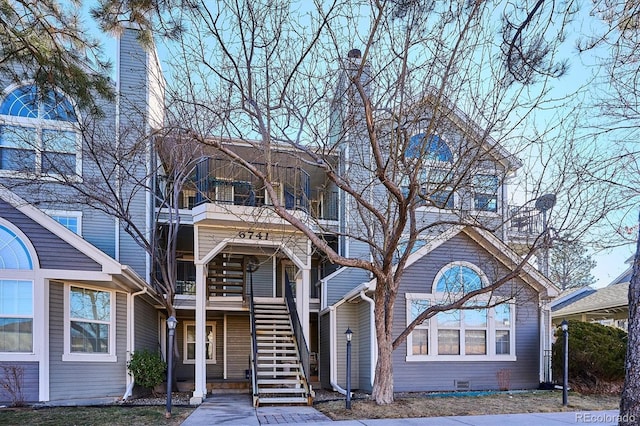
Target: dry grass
422,405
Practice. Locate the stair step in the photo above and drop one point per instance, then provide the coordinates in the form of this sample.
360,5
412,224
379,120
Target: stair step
277,373
276,345
262,351
277,358
283,400
286,327
281,390
268,332
281,382
290,366
271,336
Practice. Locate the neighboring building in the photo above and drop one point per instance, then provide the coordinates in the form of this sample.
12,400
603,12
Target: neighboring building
607,306
258,306
74,299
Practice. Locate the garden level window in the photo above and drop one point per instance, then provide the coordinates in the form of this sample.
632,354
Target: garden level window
38,134
190,342
90,324
475,333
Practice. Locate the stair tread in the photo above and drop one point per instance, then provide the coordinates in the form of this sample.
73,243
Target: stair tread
281,390
278,382
283,400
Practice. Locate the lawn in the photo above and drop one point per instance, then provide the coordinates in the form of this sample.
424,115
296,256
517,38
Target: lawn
95,415
421,405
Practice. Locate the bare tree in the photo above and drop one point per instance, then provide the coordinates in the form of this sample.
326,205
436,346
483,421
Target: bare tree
571,264
271,74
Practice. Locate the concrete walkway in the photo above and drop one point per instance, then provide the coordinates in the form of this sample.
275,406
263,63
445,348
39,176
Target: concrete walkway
236,409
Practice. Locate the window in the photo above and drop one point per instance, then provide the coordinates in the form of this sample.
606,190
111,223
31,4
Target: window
16,316
461,334
428,148
16,294
38,133
89,325
69,219
190,342
486,193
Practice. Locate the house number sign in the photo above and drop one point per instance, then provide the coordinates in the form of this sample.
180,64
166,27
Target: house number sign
252,235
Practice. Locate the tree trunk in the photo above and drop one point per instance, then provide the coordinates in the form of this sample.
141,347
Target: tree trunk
630,400
383,381
384,302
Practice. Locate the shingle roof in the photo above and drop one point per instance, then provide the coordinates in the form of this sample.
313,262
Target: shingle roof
613,296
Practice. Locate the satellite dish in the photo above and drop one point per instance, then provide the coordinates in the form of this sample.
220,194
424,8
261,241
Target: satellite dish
546,202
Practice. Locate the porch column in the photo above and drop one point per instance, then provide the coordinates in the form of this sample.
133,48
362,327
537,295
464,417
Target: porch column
303,291
200,391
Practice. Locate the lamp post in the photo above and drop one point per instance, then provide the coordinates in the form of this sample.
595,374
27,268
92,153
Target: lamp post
565,380
349,335
172,322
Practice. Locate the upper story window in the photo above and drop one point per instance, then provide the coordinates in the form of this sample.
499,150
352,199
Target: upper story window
429,148
16,294
38,134
486,192
71,220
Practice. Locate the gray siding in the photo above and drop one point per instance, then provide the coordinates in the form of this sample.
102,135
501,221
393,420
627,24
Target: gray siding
52,251
29,386
364,345
441,375
324,352
70,380
238,346
146,326
345,281
186,371
347,318
263,279
133,121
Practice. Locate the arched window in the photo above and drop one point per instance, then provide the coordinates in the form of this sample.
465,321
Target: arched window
38,133
13,252
431,148
458,279
478,331
16,294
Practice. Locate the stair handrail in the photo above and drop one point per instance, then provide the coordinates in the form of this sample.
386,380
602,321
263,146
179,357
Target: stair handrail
303,349
254,343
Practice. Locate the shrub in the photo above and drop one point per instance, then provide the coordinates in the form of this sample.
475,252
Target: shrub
596,353
11,381
148,368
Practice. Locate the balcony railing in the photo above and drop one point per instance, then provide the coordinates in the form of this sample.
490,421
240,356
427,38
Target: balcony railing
225,182
525,221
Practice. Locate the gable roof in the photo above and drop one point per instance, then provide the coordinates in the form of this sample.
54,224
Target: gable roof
126,276
493,245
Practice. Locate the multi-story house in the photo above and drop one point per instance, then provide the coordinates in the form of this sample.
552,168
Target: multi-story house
258,305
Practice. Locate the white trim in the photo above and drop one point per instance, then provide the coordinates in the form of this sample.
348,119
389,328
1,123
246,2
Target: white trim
185,342
67,355
225,337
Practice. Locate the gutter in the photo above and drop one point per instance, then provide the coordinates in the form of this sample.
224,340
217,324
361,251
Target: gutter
334,352
372,335
130,380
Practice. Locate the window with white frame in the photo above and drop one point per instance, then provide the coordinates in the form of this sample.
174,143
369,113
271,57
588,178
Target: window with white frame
71,220
16,294
190,339
476,333
486,192
89,324
38,133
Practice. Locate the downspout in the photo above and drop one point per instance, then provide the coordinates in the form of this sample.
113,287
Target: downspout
372,338
334,351
131,339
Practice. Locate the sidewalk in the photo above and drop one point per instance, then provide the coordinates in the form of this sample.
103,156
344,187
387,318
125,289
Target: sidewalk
236,409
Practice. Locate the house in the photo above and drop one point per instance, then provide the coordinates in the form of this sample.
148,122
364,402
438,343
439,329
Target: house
74,295
258,305
607,305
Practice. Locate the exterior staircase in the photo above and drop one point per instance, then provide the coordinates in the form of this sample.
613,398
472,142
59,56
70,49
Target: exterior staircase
279,373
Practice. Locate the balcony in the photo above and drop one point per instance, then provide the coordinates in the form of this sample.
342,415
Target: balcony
221,181
524,226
